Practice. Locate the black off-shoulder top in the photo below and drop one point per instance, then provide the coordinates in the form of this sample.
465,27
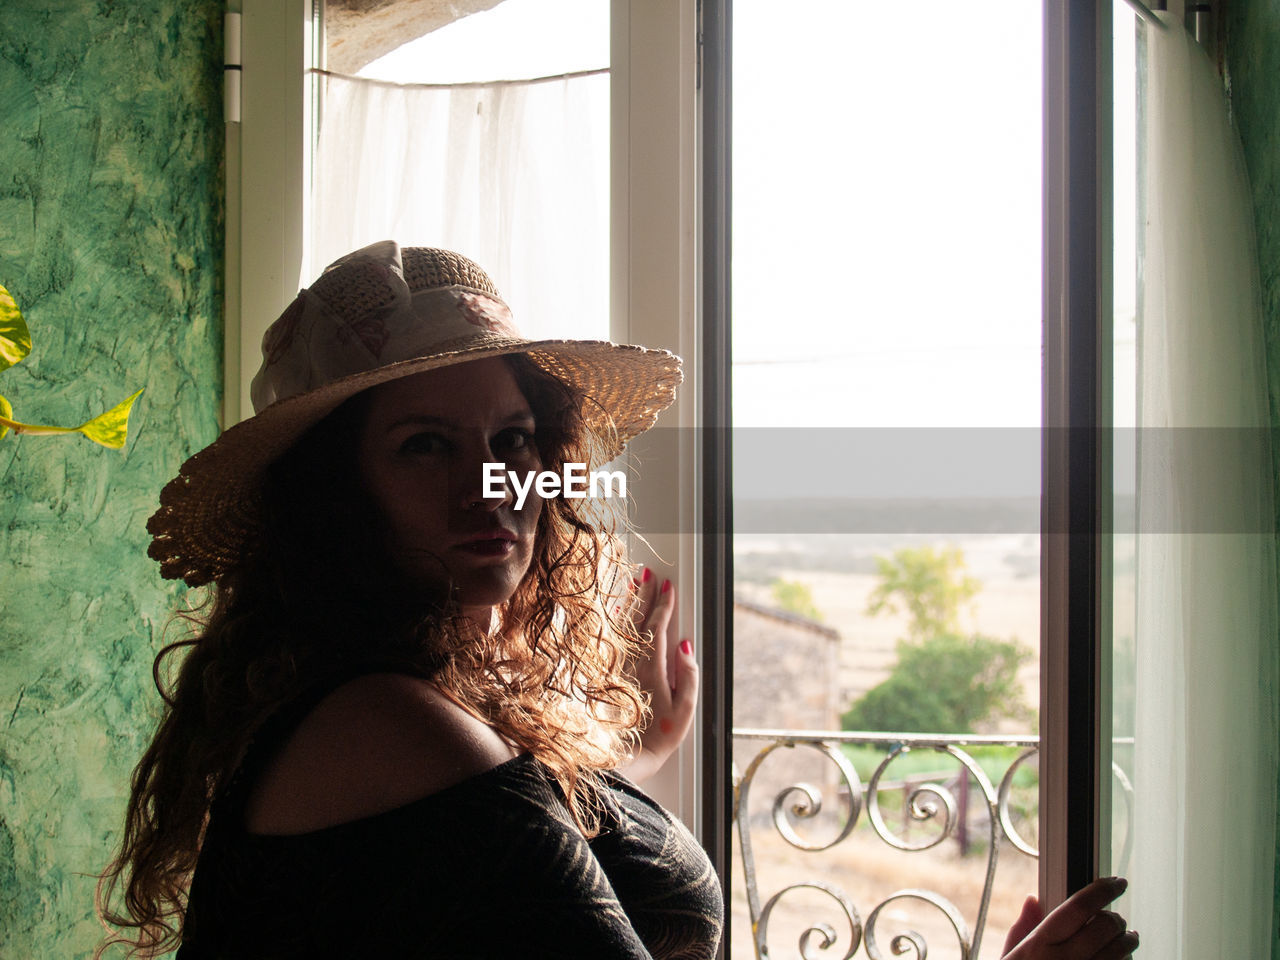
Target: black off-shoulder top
491,867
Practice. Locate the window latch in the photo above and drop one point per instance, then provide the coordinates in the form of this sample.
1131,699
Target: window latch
231,68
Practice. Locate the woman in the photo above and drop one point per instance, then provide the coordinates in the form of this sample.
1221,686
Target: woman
409,699
408,726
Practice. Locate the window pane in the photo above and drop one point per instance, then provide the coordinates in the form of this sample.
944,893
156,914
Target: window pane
886,370
1117,790
471,138
571,36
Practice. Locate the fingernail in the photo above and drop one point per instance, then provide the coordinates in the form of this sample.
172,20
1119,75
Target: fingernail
666,585
686,647
1119,883
646,576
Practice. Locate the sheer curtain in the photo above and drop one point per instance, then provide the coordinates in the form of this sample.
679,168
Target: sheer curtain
1206,660
513,174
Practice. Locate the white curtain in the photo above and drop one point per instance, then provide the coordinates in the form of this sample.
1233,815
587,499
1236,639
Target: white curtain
1205,754
514,175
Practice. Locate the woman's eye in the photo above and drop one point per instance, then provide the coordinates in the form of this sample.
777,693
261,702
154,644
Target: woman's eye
425,443
513,440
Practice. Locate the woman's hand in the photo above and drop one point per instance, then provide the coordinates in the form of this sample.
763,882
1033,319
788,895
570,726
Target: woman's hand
1079,929
667,672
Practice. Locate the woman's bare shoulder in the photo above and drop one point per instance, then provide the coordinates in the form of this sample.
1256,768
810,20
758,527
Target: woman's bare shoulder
376,743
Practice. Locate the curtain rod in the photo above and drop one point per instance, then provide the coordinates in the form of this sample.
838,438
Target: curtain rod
1145,12
602,71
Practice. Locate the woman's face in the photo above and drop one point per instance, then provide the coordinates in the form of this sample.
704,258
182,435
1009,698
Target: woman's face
422,452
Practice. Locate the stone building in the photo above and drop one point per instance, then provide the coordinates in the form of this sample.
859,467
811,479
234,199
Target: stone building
785,676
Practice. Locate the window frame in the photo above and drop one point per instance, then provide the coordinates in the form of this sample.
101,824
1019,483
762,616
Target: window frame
656,249
671,111
655,244
1075,512
715,444
267,178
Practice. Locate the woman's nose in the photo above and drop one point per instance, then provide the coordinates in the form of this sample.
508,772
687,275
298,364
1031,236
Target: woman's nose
483,481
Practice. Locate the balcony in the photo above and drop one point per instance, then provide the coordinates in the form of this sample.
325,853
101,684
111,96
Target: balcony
928,851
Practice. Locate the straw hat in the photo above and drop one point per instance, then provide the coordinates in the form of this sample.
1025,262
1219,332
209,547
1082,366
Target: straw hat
376,315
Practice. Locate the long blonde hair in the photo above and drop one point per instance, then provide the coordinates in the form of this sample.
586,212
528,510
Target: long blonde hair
551,679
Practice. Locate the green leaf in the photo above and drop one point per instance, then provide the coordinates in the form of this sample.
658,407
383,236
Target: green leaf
6,411
15,338
108,429
111,428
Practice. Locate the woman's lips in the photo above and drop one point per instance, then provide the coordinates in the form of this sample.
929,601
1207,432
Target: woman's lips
488,547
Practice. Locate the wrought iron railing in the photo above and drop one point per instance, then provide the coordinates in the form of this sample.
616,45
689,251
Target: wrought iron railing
933,800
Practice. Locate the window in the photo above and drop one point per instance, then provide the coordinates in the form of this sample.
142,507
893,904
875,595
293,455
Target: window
669,285
653,246
886,404
470,138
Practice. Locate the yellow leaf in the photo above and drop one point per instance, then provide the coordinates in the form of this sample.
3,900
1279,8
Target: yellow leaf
108,429
15,338
6,411
111,428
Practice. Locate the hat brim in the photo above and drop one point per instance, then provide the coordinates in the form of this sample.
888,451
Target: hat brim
212,507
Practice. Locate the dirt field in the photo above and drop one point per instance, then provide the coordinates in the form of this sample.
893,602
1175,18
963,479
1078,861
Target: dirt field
1008,604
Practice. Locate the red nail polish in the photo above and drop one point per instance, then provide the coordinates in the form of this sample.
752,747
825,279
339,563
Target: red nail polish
686,647
647,576
666,585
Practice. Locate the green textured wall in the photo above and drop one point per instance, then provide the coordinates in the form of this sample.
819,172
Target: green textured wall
1253,67
110,239
1253,71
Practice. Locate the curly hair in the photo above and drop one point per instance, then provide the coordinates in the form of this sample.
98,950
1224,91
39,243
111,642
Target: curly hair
551,678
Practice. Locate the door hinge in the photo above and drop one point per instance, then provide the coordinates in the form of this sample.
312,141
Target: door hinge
698,74
231,68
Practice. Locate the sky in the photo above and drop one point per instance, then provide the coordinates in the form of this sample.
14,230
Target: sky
886,214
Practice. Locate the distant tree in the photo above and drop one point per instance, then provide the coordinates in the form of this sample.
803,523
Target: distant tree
944,681
795,597
945,684
930,584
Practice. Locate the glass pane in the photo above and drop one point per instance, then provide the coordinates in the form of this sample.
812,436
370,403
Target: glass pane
470,137
886,369
1117,790
572,36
